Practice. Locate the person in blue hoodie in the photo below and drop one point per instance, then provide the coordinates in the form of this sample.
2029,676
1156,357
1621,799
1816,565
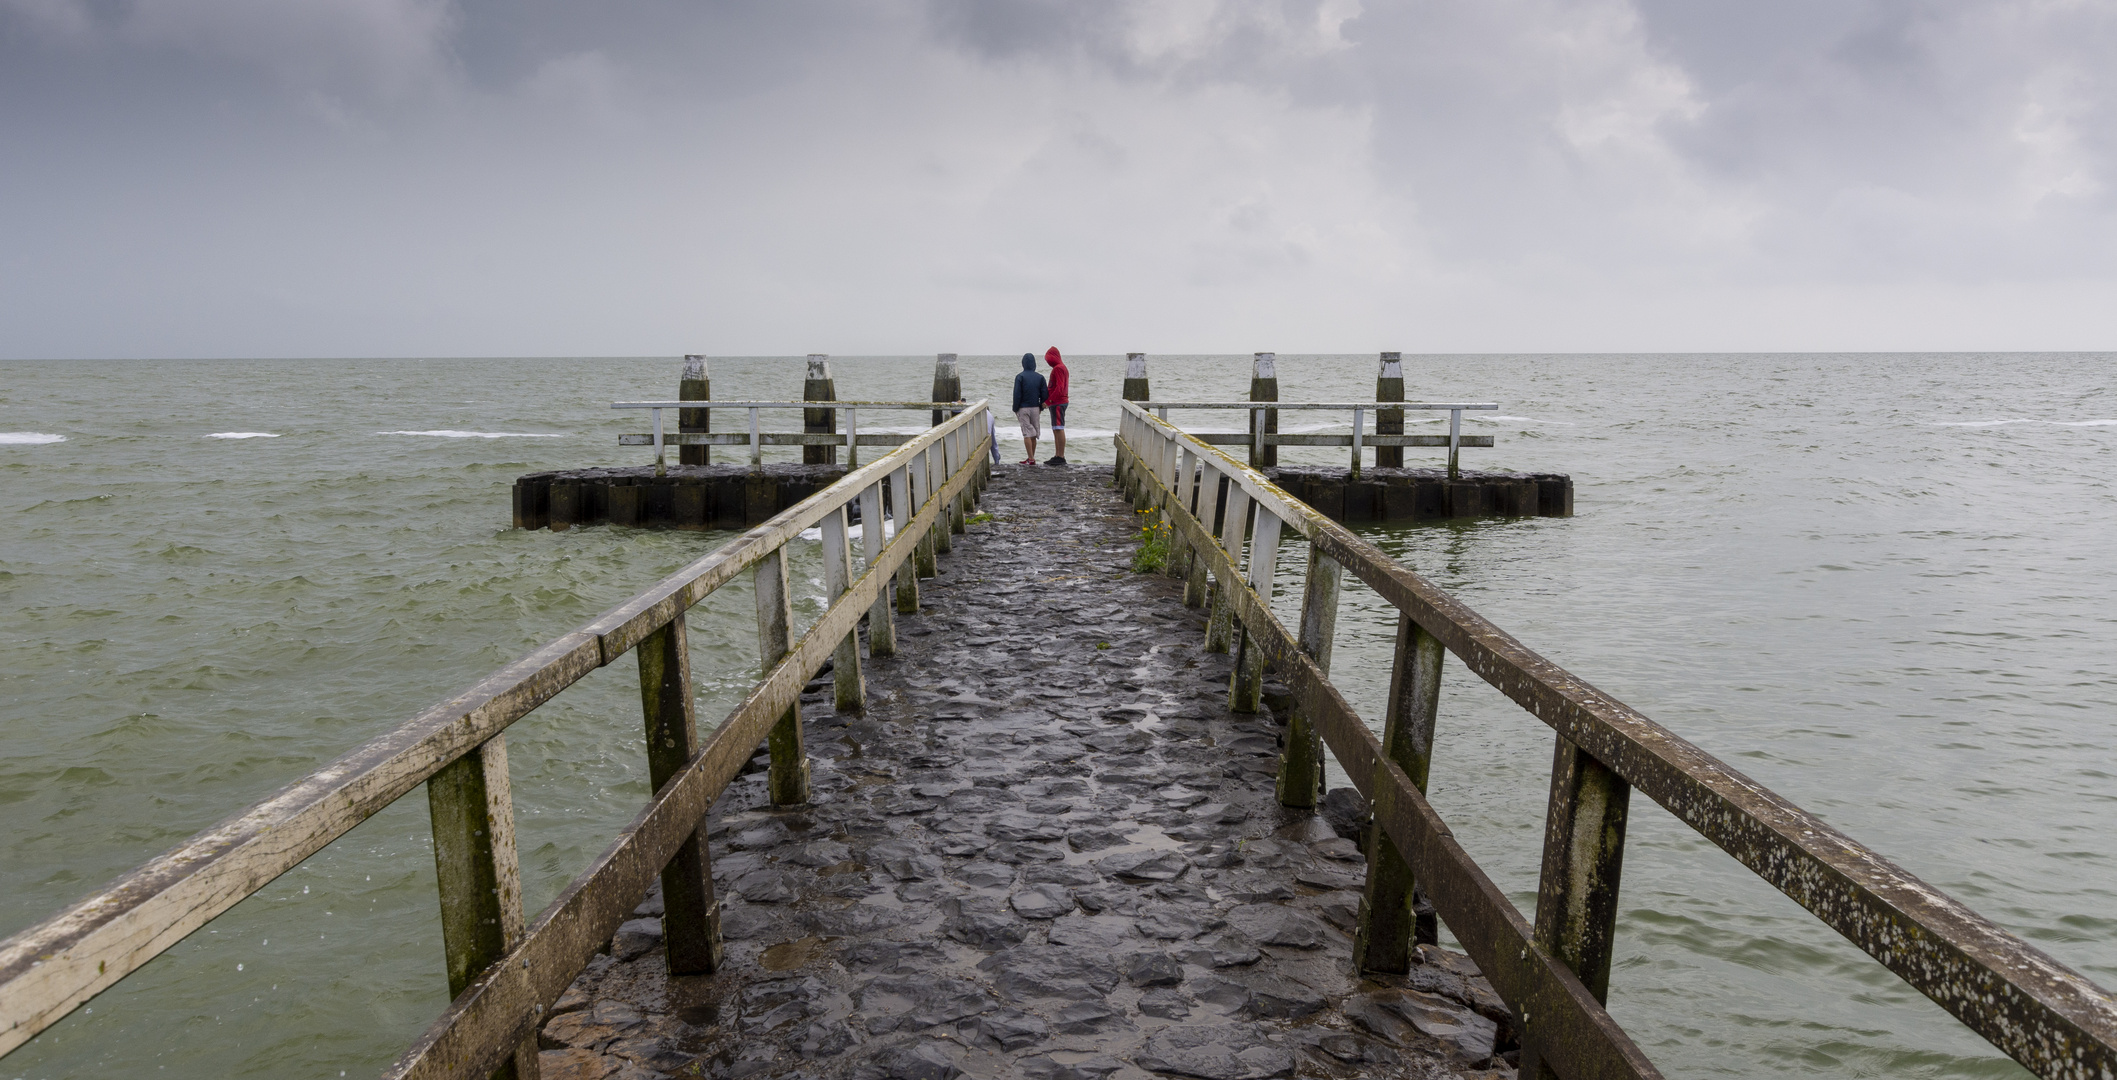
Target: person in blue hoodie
1029,393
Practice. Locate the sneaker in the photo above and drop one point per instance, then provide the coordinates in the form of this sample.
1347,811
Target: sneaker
1056,461
1026,461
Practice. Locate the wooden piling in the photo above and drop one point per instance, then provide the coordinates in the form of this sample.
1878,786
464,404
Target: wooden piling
1576,896
691,913
694,386
789,780
1389,386
948,383
1390,923
1264,386
1301,761
472,811
819,386
1135,377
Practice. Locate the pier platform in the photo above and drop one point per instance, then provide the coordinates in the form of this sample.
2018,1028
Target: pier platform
738,497
1045,850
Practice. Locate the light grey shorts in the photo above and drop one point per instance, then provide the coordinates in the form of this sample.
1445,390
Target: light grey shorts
1028,417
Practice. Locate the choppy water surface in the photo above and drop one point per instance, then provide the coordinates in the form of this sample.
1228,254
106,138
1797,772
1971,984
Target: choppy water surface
1879,584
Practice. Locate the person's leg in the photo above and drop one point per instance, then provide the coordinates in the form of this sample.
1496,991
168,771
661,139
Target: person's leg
1028,417
1058,431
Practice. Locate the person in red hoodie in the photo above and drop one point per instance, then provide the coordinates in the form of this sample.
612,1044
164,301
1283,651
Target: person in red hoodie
1055,400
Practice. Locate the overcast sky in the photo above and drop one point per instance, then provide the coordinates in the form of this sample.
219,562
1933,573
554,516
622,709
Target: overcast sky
428,177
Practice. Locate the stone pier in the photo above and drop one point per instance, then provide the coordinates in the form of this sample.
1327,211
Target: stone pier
1046,850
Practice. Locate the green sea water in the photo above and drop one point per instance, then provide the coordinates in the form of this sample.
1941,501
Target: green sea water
1880,584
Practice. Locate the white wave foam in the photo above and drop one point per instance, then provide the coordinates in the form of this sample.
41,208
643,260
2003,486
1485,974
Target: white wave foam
479,434
1518,419
242,435
2085,423
28,438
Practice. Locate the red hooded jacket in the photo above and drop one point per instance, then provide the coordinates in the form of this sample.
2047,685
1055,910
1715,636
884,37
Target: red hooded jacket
1057,394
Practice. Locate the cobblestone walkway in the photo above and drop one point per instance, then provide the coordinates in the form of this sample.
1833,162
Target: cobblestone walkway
1045,851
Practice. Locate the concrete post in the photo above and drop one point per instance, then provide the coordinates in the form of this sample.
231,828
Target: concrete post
695,386
1135,376
1389,386
948,383
1264,386
819,387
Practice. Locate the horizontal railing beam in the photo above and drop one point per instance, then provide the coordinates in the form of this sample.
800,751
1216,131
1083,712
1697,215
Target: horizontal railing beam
706,405
1236,438
1339,406
772,438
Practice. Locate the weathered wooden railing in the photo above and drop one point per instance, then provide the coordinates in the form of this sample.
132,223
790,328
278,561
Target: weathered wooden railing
502,973
1555,973
758,438
1264,431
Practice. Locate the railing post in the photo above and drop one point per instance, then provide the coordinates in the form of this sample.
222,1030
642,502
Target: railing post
691,913
480,882
1390,923
923,484
1264,386
1576,896
756,444
1455,440
695,386
1247,683
1220,624
789,779
850,689
1359,421
1206,490
661,449
1301,763
959,506
1389,386
881,624
939,466
852,439
819,386
907,571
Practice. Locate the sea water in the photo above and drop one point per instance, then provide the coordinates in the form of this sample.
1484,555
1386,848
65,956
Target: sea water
1879,584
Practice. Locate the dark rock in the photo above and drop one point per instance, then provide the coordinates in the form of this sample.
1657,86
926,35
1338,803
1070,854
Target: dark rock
1172,923
1060,874
853,920
1044,1067
1022,851
985,875
1028,972
1230,949
1090,931
1012,1029
1282,998
1347,812
1042,902
1165,1003
1226,994
1462,1030
764,887
1277,924
1087,1018
984,929
1224,1052
923,1061
1340,909
818,853
1095,838
635,937
1144,865
1020,825
891,955
743,923
1152,969
821,1038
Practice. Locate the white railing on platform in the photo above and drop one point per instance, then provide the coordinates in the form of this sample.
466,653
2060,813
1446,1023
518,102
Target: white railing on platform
1259,439
758,437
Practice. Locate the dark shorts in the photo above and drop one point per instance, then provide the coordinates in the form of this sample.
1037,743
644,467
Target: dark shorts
1058,416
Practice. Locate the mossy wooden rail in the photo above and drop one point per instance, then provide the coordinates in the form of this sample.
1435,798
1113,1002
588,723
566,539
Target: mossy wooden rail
1554,974
503,972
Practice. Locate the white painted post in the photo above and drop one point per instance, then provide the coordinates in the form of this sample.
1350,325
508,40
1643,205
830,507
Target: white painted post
851,690
1359,421
881,627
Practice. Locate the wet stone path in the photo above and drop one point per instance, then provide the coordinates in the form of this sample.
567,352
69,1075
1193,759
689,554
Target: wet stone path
1046,850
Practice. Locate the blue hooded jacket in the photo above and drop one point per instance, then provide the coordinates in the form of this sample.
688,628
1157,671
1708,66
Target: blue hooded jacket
1029,388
